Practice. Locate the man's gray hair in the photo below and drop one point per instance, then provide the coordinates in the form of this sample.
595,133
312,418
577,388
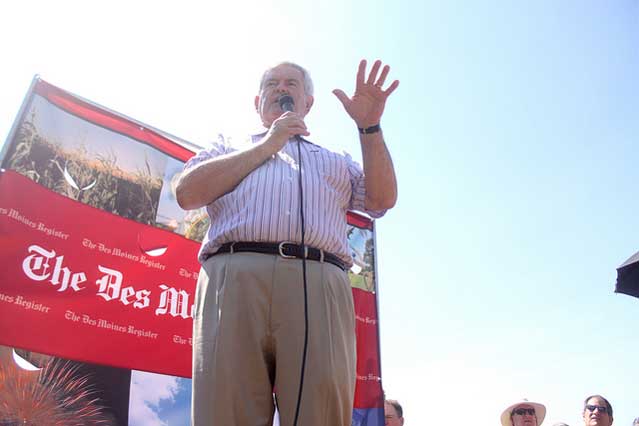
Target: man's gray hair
308,82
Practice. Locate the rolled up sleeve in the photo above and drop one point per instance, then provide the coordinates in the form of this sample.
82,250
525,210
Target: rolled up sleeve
216,148
358,185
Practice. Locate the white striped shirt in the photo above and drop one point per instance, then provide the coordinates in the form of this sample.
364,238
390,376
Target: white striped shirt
264,207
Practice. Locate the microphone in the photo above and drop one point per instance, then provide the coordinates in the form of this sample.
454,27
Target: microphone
286,103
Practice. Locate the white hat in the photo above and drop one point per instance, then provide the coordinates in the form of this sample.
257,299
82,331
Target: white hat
540,412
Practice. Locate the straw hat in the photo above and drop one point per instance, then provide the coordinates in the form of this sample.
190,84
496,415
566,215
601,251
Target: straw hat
540,411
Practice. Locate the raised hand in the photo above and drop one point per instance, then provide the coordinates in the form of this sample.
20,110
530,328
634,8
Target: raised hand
367,104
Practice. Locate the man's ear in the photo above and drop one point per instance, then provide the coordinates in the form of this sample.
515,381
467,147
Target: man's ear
257,103
309,102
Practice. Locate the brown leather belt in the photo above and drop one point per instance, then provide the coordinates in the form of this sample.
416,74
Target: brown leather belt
284,249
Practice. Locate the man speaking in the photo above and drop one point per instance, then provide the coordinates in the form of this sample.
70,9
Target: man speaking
273,306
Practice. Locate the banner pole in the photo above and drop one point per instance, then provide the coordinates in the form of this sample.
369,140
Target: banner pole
14,127
379,319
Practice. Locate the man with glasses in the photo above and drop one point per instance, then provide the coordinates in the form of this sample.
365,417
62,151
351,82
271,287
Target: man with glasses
523,413
393,413
597,411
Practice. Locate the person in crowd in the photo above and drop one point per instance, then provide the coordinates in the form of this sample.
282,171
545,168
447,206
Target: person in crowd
597,411
523,413
393,413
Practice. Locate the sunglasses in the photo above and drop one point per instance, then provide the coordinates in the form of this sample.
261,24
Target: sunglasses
522,411
601,409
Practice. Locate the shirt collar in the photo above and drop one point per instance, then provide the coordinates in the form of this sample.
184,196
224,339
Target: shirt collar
257,135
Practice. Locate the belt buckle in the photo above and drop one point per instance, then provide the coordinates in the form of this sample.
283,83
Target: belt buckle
280,249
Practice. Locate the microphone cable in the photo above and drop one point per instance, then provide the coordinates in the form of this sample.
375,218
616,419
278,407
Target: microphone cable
303,231
287,104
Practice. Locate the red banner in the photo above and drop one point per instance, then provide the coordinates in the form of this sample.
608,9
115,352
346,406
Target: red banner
84,284
369,384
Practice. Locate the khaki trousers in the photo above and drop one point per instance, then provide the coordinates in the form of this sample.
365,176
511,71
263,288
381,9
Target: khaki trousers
248,339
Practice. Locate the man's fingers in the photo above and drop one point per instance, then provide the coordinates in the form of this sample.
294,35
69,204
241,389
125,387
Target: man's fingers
361,73
296,125
342,96
382,77
391,88
290,121
373,75
297,128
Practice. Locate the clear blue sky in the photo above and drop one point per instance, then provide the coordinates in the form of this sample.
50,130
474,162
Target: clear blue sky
514,133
